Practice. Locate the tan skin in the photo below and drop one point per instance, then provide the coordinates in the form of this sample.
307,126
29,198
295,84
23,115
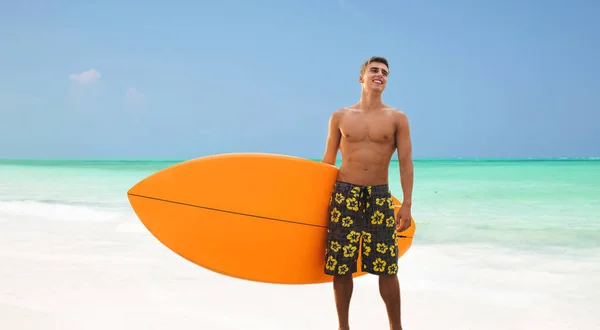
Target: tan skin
367,134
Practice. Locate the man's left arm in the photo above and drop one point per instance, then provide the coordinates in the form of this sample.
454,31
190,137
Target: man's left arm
405,162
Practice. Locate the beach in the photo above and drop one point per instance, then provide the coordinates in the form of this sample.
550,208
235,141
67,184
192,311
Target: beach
511,244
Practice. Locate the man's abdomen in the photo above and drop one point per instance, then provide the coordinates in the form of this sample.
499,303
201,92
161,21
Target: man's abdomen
365,164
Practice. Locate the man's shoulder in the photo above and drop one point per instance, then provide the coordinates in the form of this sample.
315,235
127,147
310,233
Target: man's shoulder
399,117
395,112
347,109
392,110
340,112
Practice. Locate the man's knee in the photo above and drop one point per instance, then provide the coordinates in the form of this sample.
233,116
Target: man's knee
387,278
343,281
342,278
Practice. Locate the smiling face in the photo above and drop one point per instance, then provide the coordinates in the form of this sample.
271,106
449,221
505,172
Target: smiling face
374,74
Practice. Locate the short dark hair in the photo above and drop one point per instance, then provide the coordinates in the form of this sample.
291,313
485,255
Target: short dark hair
374,59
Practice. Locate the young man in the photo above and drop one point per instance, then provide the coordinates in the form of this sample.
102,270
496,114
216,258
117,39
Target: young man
361,206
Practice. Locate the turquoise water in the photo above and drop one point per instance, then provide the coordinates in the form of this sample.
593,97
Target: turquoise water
547,205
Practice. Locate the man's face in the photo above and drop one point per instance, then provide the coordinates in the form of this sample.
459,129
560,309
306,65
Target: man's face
374,77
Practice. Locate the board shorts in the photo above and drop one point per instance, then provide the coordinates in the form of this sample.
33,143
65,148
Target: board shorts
361,220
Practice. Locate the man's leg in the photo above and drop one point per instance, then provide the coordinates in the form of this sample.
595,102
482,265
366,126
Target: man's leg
342,288
380,250
389,288
343,239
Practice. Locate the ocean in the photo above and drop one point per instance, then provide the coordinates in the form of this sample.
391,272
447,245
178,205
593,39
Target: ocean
500,244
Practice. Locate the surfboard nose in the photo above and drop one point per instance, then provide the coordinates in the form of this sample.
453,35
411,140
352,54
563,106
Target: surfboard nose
141,188
134,190
137,188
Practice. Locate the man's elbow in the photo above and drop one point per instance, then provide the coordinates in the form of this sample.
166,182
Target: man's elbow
405,160
331,152
406,164
328,161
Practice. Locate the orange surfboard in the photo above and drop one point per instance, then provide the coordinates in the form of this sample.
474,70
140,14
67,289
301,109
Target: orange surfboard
253,216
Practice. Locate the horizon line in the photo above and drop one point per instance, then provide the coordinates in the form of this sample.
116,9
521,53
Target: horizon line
309,158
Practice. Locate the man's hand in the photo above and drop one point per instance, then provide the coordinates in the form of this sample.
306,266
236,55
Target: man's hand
403,218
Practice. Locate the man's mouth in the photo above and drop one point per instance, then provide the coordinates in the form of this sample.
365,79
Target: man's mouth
377,81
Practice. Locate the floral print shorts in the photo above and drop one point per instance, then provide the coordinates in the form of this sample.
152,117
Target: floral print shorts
361,220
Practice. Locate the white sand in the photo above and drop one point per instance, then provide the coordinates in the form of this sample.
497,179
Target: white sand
77,275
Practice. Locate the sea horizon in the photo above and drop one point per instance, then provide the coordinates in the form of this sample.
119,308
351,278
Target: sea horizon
416,159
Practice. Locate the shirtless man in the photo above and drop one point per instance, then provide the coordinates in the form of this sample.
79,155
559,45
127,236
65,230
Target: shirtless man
361,206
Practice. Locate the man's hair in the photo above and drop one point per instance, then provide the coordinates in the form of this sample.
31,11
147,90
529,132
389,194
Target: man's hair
374,59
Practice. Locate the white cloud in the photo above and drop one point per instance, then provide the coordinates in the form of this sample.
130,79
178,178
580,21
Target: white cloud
85,77
133,96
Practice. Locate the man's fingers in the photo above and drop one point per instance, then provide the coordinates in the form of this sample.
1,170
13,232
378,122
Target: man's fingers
404,224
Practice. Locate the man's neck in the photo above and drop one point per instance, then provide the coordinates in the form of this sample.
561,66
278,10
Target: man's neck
370,101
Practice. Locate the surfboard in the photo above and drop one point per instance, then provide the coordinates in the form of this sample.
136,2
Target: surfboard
253,216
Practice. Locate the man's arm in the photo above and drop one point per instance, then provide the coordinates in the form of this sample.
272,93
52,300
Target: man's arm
404,146
333,139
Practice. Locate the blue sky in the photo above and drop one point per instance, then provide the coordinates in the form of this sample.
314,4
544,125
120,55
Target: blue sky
182,79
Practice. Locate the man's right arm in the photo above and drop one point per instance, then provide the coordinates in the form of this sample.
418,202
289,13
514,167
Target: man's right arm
333,139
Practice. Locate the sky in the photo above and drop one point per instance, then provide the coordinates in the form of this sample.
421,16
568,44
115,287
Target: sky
184,79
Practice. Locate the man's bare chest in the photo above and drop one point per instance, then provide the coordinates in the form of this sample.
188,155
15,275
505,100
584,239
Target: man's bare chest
360,127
